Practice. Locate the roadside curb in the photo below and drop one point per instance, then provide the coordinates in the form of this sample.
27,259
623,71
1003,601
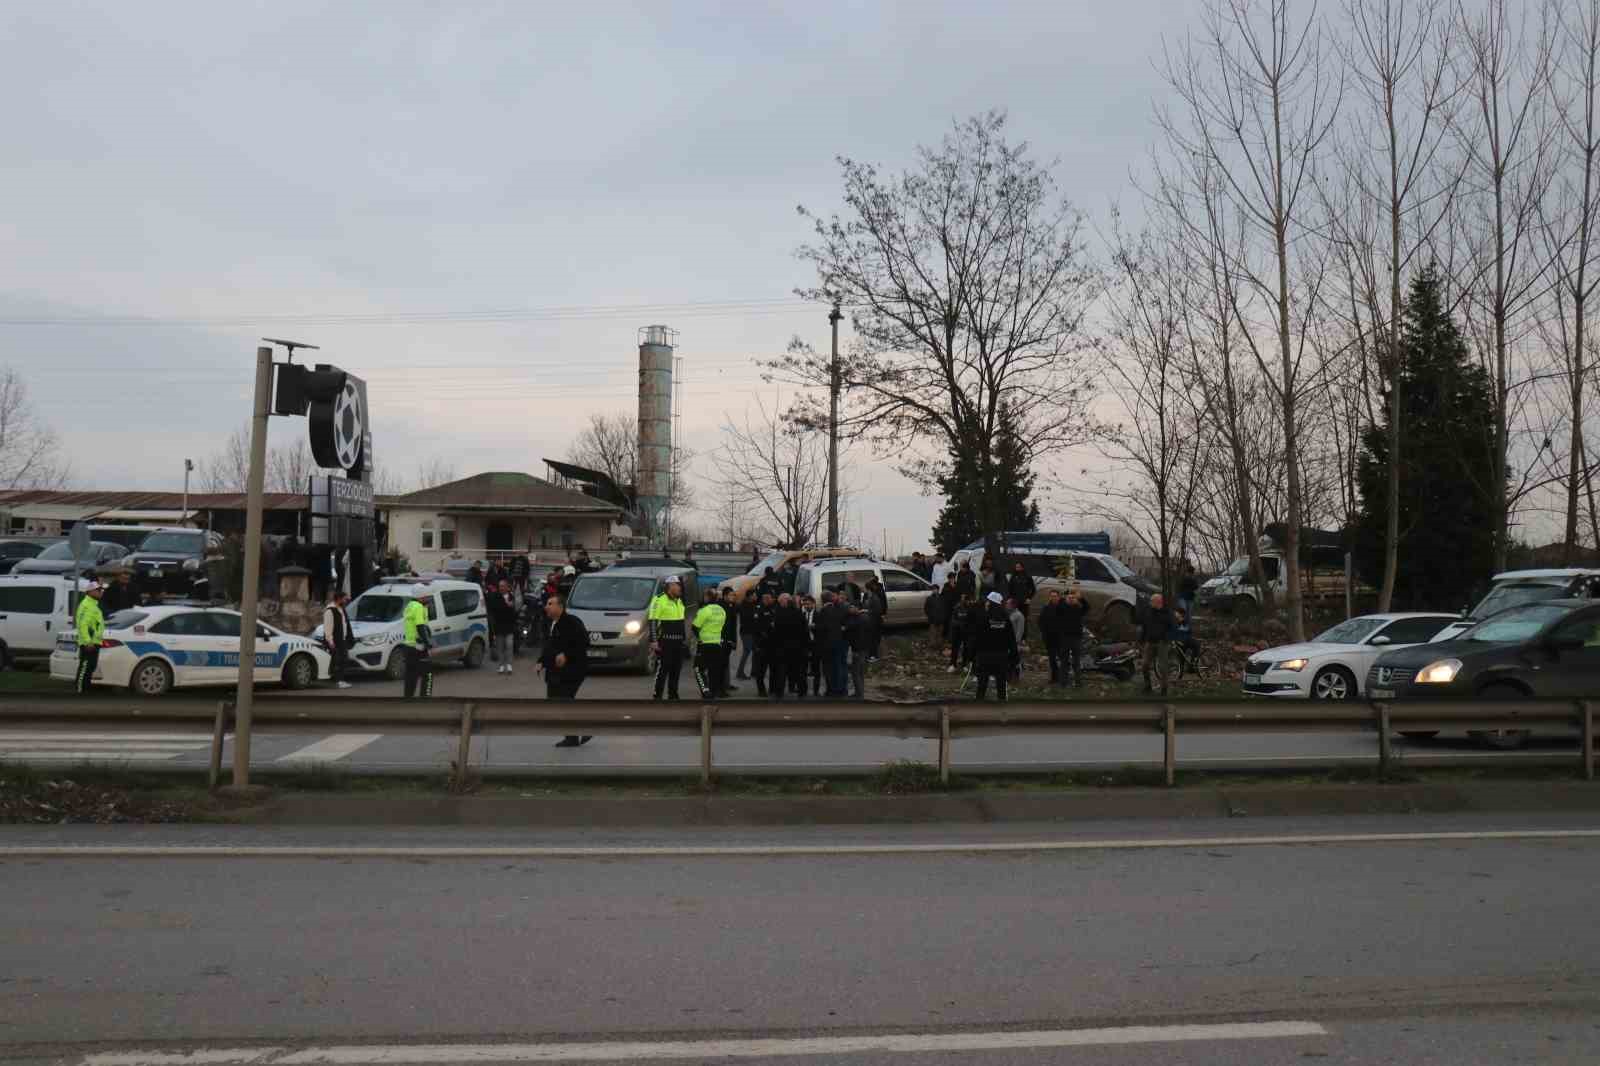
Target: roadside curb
332,809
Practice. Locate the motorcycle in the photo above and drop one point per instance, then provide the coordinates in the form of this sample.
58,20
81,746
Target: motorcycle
1119,659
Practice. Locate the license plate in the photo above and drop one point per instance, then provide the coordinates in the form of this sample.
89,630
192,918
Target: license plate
601,654
1382,693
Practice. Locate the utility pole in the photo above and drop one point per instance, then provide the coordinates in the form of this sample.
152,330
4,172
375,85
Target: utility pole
833,432
188,468
252,568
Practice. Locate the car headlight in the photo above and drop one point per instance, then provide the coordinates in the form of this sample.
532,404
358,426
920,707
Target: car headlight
1440,673
374,640
1290,664
633,627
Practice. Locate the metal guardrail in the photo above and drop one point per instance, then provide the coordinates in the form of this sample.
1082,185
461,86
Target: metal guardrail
943,721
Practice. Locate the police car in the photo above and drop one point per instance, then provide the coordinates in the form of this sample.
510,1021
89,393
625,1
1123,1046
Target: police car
152,650
457,617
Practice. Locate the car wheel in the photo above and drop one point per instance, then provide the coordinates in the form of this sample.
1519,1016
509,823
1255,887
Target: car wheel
300,671
151,678
1118,620
1333,683
1502,739
476,652
396,668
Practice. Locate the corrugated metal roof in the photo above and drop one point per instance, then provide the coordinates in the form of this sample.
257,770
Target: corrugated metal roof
505,491
93,503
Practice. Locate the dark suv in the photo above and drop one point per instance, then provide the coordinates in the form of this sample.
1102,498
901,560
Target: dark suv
169,561
1544,650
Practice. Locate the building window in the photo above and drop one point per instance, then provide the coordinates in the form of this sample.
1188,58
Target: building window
544,538
447,534
568,537
427,535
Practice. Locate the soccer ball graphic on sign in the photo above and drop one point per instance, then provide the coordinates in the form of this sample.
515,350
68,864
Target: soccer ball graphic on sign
349,426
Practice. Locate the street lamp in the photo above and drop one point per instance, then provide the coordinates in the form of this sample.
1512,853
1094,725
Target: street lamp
188,468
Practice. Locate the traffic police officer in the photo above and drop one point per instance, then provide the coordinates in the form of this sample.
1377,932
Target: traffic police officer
91,631
708,623
669,637
418,643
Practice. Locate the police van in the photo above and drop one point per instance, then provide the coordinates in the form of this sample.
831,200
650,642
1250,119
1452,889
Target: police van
35,610
457,617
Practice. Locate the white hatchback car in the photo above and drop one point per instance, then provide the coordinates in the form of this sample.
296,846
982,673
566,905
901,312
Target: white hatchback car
152,650
1333,666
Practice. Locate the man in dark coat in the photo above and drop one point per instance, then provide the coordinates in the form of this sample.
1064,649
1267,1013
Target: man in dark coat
761,634
564,658
966,581
747,632
786,647
1074,612
1020,587
833,649
994,649
730,641
858,639
808,607
1155,636
770,585
875,606
1050,630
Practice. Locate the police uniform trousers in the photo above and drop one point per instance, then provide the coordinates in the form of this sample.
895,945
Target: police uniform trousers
669,666
88,662
419,672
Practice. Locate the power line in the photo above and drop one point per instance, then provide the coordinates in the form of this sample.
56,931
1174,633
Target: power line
576,312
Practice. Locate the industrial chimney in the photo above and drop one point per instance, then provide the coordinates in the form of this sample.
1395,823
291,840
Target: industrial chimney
655,425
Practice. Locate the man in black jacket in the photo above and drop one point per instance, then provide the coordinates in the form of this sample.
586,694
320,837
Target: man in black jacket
966,581
747,632
786,647
1074,612
808,607
502,623
1050,630
1155,635
564,659
994,648
856,636
876,606
730,642
1020,587
761,634
833,649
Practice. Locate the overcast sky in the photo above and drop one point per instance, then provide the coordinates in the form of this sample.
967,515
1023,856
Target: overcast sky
233,170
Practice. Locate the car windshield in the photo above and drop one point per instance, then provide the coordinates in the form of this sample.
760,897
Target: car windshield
775,560
1353,631
1118,567
1238,568
1516,624
605,592
177,543
1516,593
126,619
56,551
380,607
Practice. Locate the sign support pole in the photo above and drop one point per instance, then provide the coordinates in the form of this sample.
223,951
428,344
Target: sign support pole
249,603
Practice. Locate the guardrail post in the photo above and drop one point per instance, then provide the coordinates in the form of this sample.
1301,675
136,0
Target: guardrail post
464,745
1383,741
1169,758
1586,717
944,745
218,731
706,714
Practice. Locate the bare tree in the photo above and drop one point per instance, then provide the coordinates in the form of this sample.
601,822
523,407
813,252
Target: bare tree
1507,138
434,472
227,470
967,289
776,474
30,452
1257,102
1399,54
289,467
610,445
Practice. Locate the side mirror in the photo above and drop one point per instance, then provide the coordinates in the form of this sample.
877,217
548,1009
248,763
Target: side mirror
1379,641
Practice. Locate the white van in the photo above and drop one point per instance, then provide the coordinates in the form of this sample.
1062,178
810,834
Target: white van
35,609
906,592
457,616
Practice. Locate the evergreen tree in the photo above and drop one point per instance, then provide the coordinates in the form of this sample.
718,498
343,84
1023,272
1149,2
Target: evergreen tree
961,520
1446,450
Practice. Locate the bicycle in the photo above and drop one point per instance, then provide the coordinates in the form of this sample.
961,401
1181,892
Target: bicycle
1186,659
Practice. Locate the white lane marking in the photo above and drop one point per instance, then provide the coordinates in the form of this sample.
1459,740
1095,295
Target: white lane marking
9,736
910,1043
186,851
92,755
331,748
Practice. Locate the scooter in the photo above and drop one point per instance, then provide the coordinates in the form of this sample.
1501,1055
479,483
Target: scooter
1120,659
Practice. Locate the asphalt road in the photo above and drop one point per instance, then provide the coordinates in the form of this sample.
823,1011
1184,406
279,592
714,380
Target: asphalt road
1461,949
749,754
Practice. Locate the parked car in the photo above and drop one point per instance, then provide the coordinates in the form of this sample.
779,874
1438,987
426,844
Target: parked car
779,559
906,592
168,561
130,537
1114,593
456,615
58,559
1544,650
611,604
152,650
1334,664
15,550
35,609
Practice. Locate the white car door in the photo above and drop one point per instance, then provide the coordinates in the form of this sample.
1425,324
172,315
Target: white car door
27,617
198,656
908,595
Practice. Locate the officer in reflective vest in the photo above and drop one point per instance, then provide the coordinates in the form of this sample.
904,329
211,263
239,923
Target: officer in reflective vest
418,644
91,626
669,637
708,622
